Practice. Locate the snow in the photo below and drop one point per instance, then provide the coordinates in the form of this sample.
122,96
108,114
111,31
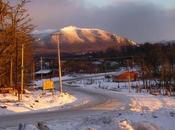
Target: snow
144,111
71,34
38,83
69,28
146,126
133,43
89,35
43,72
138,111
35,101
125,125
145,102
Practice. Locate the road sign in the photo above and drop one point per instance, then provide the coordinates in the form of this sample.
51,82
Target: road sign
48,85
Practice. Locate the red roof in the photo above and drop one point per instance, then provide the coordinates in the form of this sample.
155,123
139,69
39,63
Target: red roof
126,75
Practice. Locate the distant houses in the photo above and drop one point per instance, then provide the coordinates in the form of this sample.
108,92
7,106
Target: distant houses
125,76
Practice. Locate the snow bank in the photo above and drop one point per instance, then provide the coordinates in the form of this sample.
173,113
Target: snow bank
24,127
125,125
146,126
146,102
38,100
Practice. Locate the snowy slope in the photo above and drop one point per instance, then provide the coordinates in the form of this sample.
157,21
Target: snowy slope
84,34
81,40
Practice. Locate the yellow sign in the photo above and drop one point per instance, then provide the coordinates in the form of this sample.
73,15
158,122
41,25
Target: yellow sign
48,84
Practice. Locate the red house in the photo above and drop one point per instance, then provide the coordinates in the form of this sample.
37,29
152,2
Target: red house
126,76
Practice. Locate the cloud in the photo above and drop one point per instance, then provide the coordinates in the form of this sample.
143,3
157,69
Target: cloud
140,21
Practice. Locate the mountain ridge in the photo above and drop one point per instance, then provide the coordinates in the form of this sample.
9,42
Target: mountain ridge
82,40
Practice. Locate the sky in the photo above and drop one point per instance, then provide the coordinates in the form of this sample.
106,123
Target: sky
139,20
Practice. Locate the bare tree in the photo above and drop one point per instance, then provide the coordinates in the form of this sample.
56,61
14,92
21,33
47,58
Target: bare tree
16,32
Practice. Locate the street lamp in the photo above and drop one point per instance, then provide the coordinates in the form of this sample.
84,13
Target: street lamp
56,39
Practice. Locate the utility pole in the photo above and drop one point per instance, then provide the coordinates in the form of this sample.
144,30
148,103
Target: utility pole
33,73
129,78
14,24
56,37
11,72
41,67
22,69
59,65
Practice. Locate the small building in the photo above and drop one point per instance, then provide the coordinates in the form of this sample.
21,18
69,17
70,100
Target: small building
44,73
125,76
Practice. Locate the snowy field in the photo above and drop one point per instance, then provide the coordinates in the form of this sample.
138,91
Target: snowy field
141,111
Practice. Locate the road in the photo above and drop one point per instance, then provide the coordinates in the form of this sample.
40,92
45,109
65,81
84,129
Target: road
100,102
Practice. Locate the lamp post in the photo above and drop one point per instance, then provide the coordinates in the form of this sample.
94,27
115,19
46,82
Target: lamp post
56,38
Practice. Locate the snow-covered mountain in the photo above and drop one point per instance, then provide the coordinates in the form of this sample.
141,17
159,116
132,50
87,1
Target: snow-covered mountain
83,40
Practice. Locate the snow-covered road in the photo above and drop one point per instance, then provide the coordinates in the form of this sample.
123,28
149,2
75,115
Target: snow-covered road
101,107
99,102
